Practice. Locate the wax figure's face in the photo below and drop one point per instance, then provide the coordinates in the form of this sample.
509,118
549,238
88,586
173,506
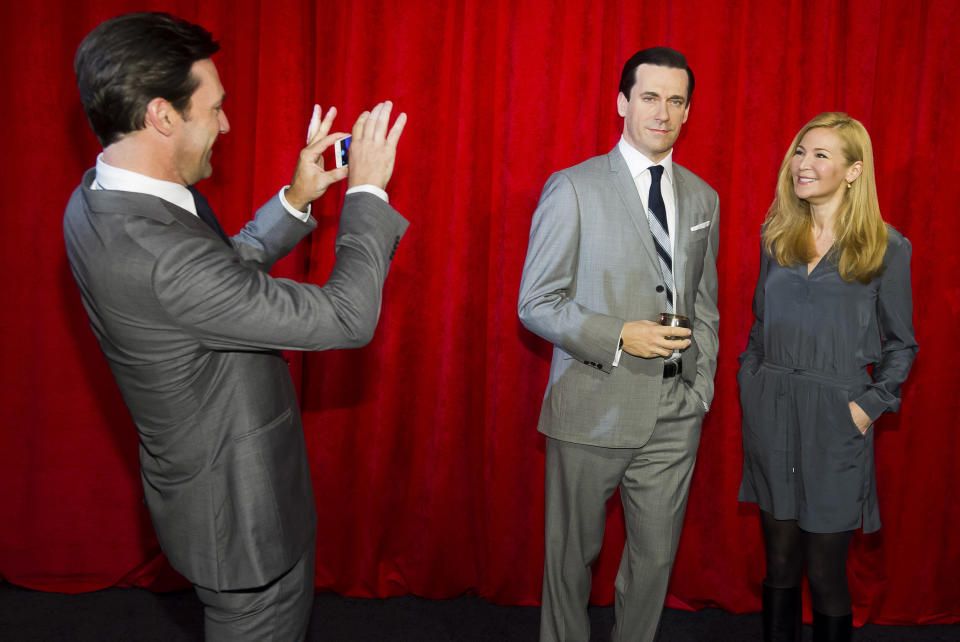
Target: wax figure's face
656,110
819,169
201,123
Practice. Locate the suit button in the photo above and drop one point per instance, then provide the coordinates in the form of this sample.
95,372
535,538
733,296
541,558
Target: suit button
659,288
599,367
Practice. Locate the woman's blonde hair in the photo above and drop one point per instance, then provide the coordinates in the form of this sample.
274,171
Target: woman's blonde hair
861,236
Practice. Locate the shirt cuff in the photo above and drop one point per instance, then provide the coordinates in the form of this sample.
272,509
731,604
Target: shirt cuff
370,189
294,212
616,358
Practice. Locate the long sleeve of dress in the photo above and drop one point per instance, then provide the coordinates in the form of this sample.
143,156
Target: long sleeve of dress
753,355
895,318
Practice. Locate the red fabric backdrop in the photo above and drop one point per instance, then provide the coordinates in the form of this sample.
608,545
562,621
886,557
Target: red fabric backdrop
427,465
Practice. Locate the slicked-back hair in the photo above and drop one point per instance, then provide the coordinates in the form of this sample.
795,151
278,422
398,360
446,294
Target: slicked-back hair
127,61
660,56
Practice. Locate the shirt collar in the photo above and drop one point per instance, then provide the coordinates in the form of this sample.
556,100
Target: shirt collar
109,177
637,163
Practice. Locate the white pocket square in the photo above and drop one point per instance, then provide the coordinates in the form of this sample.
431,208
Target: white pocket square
700,226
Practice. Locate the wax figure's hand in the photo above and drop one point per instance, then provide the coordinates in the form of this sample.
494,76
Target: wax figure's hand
372,149
860,418
310,179
648,339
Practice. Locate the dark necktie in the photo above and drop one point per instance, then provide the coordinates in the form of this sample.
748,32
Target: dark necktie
205,212
657,218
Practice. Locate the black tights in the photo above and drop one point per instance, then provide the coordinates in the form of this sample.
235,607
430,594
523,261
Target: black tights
825,554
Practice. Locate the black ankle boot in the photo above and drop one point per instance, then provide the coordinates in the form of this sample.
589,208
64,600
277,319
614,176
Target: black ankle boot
781,614
832,628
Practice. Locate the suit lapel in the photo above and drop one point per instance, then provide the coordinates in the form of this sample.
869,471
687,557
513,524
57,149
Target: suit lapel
682,198
626,189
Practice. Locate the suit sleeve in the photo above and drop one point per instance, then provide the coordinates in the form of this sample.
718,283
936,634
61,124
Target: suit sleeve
546,306
270,235
227,301
706,324
897,344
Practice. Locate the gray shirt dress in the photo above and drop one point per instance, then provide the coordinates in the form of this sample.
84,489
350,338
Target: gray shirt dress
812,341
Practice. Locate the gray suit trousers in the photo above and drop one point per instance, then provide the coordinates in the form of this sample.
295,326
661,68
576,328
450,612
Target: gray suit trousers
653,481
277,612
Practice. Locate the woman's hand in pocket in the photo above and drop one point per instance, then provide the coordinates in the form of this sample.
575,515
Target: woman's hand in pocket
860,418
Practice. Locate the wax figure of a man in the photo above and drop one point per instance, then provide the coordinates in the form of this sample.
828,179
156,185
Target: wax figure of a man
615,241
191,323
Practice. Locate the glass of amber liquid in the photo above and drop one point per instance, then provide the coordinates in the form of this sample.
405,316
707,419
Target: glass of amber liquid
674,321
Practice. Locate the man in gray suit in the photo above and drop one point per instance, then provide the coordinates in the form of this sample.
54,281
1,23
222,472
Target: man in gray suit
615,241
192,325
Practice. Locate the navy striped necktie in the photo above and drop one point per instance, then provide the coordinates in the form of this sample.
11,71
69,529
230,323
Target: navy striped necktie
657,218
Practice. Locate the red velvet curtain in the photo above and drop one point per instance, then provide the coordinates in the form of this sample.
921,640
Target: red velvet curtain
426,461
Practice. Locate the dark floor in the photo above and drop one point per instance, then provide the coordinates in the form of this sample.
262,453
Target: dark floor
135,614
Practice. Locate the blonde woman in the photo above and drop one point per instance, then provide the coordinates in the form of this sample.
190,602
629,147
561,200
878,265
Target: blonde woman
833,298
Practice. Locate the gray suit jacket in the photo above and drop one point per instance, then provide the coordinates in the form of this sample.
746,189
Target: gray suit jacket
191,329
591,267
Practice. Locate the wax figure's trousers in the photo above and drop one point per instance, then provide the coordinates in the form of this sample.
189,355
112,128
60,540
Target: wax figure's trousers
277,612
653,481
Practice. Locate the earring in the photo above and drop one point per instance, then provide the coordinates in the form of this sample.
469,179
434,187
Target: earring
849,185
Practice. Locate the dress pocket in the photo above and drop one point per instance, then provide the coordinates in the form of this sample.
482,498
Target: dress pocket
849,417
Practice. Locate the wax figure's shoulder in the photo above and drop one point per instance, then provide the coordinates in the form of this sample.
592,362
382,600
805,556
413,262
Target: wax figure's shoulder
592,169
587,182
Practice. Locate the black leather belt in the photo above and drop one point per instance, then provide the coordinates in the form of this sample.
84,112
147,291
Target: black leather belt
672,368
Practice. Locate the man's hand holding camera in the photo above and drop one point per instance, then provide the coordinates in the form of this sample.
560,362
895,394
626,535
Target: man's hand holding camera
372,153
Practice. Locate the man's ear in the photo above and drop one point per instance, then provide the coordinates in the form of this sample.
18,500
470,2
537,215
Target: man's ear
622,104
161,116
